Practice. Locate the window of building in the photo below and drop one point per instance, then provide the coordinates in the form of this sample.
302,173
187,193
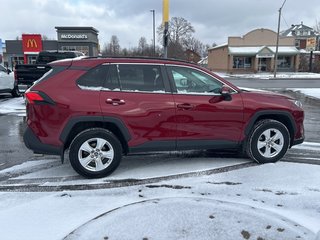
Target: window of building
17,60
242,62
83,49
284,62
32,59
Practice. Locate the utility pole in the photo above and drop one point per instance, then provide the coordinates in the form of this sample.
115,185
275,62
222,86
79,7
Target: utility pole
154,31
277,45
165,21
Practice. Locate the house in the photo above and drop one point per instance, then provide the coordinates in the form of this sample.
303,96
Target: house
192,56
308,41
302,34
254,52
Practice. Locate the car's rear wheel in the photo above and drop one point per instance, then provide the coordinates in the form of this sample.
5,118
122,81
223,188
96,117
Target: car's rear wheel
268,141
95,153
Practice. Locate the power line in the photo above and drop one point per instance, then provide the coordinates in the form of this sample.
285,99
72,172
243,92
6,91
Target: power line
285,21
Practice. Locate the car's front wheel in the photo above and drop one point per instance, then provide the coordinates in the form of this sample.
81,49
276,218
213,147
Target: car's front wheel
95,153
268,141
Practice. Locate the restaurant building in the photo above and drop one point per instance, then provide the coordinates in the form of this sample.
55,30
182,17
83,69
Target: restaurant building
254,52
26,49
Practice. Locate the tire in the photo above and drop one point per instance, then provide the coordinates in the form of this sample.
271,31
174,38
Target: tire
15,92
268,141
95,153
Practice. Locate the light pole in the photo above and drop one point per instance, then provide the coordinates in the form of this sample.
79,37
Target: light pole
277,45
165,22
154,31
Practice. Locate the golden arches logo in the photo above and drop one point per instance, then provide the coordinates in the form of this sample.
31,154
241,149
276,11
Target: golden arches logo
32,43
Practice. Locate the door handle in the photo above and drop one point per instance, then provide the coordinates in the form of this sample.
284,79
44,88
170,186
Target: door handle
185,106
115,102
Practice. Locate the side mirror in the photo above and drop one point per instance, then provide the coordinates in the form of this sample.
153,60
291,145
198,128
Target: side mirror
226,93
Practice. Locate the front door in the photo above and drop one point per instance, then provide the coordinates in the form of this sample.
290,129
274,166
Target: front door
204,118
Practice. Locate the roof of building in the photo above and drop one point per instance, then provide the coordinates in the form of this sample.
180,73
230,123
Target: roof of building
69,28
219,46
295,28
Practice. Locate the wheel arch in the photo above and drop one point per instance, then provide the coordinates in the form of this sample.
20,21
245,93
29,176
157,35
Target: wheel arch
282,116
79,124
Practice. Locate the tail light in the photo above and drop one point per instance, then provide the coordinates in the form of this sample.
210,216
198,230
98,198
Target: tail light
34,97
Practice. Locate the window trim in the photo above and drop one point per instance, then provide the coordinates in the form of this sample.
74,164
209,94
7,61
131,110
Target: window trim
167,88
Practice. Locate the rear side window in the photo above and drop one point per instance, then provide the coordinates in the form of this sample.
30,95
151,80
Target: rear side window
94,78
112,81
139,77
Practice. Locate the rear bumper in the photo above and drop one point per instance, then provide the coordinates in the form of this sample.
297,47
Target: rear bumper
34,144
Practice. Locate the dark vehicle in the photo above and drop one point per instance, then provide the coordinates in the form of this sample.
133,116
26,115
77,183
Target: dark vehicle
102,108
26,74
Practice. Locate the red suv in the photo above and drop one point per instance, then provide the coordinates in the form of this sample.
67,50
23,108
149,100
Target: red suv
102,108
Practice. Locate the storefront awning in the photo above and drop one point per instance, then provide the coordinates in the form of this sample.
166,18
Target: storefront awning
262,51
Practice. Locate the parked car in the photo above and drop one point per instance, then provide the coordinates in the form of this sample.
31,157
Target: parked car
26,74
102,108
7,82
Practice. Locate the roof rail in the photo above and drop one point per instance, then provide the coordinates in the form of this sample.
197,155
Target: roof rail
143,57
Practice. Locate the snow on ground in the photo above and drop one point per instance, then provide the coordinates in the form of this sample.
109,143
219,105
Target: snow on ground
259,202
312,92
280,75
14,106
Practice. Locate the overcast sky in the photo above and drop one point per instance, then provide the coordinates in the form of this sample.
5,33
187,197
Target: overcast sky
129,20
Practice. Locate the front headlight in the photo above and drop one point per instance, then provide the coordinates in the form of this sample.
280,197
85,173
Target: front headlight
297,103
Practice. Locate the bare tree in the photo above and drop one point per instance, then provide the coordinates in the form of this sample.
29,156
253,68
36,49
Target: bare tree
197,46
143,45
113,48
180,30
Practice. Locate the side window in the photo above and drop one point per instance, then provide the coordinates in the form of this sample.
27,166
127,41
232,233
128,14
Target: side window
138,77
189,81
94,78
112,81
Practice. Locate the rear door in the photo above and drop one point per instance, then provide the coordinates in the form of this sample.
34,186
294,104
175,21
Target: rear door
140,97
204,118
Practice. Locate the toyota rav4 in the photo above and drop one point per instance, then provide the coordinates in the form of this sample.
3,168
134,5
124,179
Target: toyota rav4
102,108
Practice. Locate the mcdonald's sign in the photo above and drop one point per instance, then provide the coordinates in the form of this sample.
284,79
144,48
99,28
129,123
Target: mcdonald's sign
32,43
